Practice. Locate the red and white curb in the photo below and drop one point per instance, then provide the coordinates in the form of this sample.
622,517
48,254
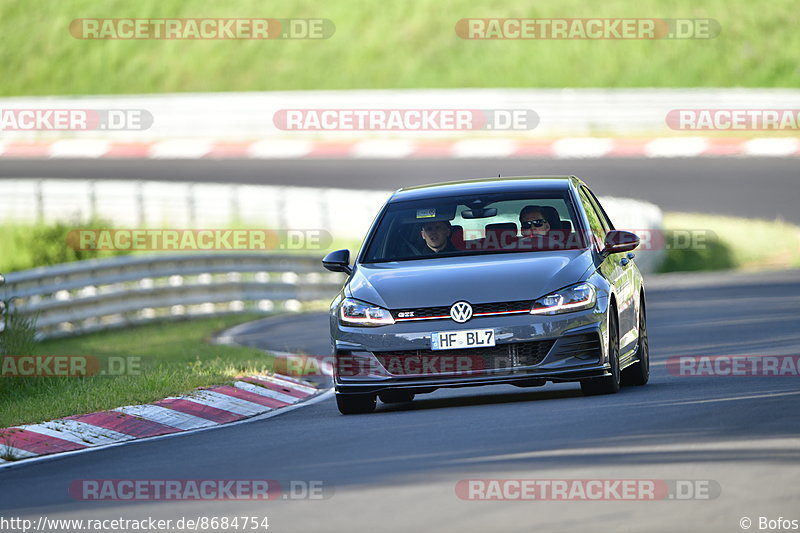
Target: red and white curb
249,397
575,147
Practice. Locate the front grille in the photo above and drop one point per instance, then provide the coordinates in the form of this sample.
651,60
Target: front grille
422,312
503,356
519,305
430,313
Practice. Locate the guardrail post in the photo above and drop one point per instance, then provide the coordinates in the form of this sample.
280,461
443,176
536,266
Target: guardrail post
280,195
93,200
233,215
191,207
3,308
39,201
141,215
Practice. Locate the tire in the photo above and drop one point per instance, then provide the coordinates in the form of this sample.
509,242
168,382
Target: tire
355,404
639,373
395,396
607,384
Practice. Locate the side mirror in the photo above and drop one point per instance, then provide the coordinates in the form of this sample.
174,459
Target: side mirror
338,261
620,241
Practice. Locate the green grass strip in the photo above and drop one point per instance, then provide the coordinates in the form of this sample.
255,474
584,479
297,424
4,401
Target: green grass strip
155,361
387,45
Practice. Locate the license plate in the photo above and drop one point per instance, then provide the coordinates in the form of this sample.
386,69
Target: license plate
473,338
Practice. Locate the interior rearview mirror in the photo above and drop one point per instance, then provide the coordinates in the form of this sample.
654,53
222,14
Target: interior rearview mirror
479,212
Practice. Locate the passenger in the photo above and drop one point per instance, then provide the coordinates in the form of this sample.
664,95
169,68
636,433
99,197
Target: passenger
533,222
436,235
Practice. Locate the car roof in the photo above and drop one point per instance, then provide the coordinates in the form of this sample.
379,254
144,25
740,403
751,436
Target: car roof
485,186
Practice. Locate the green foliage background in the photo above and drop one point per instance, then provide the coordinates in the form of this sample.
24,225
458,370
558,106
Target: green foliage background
379,44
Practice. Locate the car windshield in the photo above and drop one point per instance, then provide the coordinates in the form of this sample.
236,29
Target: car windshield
475,225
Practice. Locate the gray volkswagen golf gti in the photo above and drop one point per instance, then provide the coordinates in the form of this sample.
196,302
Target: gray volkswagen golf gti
516,281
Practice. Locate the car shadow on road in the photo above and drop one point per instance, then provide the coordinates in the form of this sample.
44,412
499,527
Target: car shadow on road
491,398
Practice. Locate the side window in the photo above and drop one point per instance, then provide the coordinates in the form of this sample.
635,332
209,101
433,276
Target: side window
595,224
599,208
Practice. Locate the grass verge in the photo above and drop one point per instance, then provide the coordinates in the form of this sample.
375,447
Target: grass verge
756,48
730,243
156,361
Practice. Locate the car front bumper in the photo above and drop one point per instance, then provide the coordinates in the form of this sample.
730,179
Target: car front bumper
560,363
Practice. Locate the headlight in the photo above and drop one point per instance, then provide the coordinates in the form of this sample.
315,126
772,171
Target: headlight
357,313
575,298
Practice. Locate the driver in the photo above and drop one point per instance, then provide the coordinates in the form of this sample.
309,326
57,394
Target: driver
436,235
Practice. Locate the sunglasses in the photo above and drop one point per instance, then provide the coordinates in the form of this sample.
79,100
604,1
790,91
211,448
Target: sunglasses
536,223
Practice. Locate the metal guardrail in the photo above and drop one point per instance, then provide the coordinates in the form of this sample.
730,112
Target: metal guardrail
184,205
99,294
143,204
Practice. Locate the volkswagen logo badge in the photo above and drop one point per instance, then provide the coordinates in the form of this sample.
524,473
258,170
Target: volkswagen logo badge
461,312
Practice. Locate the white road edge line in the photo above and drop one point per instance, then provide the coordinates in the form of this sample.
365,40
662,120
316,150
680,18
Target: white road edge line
225,402
265,392
166,416
77,432
286,384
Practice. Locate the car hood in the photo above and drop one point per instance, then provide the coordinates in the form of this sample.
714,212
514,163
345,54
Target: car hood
476,279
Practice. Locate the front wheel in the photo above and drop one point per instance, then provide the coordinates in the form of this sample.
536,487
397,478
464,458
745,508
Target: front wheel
607,384
354,404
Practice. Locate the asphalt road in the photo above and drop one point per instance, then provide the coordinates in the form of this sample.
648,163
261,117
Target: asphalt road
750,187
396,469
